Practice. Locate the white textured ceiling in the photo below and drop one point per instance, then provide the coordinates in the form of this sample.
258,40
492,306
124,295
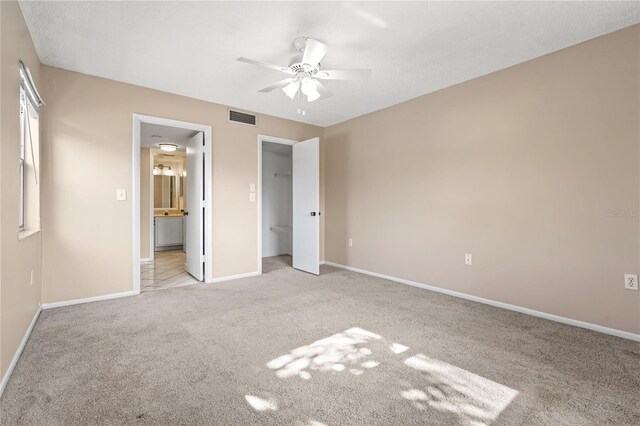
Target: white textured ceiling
166,134
413,48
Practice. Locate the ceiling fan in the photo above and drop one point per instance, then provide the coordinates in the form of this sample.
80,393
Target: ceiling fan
305,75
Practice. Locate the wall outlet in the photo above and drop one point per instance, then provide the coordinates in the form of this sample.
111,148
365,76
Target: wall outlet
252,187
350,242
468,260
252,197
121,194
631,282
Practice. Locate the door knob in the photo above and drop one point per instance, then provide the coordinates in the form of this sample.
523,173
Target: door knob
313,213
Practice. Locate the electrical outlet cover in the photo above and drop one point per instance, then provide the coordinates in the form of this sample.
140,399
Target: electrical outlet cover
631,281
121,194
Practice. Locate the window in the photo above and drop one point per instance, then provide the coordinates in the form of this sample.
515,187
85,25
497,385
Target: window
29,163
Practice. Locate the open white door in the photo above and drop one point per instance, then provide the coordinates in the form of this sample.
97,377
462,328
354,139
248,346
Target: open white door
195,207
306,205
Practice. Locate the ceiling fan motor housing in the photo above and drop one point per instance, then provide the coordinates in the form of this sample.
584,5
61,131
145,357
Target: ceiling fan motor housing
304,70
300,44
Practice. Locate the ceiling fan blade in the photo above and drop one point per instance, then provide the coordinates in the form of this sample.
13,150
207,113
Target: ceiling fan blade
277,85
322,89
313,52
343,74
265,65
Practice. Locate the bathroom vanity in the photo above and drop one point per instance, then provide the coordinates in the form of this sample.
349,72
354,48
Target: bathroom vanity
169,231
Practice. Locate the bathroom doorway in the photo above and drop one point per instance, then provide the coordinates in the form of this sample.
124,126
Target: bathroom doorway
173,200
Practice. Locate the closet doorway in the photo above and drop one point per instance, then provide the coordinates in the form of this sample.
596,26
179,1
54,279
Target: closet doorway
288,204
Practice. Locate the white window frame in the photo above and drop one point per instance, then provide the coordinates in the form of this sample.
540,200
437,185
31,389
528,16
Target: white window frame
30,102
23,117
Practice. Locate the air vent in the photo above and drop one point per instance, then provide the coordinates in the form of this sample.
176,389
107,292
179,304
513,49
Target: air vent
241,117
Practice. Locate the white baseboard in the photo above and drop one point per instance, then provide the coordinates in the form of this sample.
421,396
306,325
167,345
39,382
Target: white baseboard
146,260
564,320
235,277
86,300
16,356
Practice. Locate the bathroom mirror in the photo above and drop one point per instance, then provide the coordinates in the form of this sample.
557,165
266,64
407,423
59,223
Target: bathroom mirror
165,192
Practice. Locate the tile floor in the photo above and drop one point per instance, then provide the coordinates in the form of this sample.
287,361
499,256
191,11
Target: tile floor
166,271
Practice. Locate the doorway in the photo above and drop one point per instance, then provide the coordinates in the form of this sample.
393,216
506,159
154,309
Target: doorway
172,198
277,205
288,204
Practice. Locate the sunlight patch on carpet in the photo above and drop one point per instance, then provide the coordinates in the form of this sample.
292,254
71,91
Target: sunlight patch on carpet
474,399
398,348
427,383
333,354
261,404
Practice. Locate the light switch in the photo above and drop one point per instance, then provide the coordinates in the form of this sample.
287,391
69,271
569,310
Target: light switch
252,187
121,194
252,197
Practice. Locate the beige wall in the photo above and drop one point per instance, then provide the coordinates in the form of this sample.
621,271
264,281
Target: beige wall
145,209
87,154
19,300
517,168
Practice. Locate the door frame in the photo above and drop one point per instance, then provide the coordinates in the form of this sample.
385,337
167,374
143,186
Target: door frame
272,139
151,211
138,120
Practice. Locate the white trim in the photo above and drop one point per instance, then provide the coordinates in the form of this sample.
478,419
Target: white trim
16,356
135,196
152,236
564,320
236,277
272,139
24,234
87,300
146,259
138,119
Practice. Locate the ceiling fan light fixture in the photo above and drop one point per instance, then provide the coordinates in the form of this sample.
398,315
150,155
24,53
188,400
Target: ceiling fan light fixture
169,147
307,75
291,89
310,89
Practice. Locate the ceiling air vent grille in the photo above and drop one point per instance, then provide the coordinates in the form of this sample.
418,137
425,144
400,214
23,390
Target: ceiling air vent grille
241,117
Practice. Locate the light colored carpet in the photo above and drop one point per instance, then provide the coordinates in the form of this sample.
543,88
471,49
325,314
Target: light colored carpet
291,348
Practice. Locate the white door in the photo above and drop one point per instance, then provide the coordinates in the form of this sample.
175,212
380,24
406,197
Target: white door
195,207
306,205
